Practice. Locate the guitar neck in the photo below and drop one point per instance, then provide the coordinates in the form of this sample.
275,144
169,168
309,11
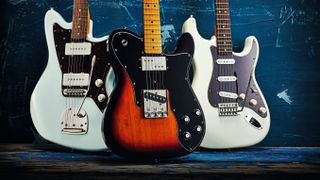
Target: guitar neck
223,28
152,27
80,20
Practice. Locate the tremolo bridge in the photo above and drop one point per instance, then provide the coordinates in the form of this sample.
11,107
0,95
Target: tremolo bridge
228,109
155,103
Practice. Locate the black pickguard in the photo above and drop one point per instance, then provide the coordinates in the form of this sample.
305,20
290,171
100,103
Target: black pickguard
83,63
176,80
244,84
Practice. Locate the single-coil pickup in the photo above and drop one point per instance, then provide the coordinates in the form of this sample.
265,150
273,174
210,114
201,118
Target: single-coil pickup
226,61
75,79
154,63
155,97
228,95
72,49
227,78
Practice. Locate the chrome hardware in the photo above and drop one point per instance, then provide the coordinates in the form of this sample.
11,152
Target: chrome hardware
75,92
263,110
198,129
253,102
155,103
124,43
197,112
252,121
187,135
102,98
186,118
228,109
98,83
154,63
74,121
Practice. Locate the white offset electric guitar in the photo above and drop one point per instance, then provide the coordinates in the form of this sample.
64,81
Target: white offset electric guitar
68,103
236,112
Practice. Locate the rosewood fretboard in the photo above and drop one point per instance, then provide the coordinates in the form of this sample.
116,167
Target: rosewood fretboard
80,20
223,28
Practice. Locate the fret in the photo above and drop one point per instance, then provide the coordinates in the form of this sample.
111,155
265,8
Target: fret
80,20
152,27
223,28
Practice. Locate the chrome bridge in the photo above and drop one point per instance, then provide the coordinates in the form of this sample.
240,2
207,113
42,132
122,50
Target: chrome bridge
228,109
74,121
155,104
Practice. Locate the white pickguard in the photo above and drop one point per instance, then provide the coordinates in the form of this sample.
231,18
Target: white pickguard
222,132
48,104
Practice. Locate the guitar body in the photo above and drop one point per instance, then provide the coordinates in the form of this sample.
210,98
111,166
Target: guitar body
128,133
249,126
48,103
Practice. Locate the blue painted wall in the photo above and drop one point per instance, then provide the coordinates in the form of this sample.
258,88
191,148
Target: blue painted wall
288,69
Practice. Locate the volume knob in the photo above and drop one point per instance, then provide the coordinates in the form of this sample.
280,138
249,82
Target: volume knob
197,112
98,82
187,135
102,98
186,118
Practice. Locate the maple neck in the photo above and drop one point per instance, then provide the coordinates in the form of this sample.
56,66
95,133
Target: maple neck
152,27
223,28
80,20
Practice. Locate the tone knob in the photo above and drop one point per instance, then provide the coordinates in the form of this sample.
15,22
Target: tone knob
102,98
242,96
187,135
99,82
253,102
198,129
186,118
197,112
263,110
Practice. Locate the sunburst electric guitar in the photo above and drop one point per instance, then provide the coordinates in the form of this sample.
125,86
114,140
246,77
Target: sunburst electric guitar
236,112
153,110
68,103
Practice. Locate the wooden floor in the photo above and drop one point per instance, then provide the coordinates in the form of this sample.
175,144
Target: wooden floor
53,162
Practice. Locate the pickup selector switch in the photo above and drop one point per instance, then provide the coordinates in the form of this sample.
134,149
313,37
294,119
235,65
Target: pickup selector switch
197,112
185,118
253,102
102,98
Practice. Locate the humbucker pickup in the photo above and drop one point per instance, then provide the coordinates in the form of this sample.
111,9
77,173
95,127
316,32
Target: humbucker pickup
155,104
154,63
73,49
75,79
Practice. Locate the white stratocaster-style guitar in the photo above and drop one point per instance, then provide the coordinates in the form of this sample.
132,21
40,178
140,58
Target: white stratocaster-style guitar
68,103
235,110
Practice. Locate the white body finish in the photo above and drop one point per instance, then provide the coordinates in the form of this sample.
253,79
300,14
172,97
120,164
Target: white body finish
222,132
48,104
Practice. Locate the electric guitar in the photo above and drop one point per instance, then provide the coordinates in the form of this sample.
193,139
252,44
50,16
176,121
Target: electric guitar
153,110
236,112
68,103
